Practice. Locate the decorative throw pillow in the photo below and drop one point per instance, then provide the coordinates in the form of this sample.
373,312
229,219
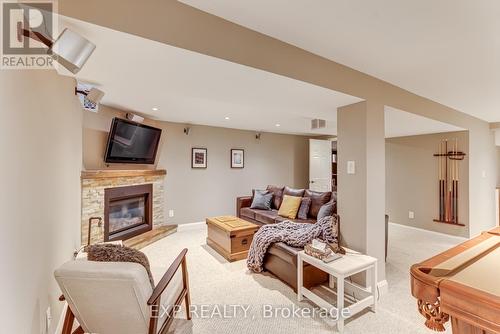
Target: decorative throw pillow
325,210
293,192
331,233
305,203
289,206
261,200
318,199
118,253
334,200
277,195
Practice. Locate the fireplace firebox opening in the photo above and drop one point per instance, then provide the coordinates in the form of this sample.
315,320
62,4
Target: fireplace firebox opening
127,211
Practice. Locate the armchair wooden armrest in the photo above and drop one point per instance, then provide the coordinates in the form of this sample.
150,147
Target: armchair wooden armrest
154,300
167,277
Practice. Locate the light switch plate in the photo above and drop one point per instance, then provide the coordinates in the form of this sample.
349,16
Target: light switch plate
170,213
411,214
351,167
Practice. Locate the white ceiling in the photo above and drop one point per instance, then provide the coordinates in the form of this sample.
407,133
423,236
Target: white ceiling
447,50
399,123
138,74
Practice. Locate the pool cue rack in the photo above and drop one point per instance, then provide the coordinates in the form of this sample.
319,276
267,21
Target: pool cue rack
449,158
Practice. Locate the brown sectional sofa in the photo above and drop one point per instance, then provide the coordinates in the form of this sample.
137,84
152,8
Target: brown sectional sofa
281,259
262,217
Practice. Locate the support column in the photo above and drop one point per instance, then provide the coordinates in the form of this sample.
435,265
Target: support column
361,196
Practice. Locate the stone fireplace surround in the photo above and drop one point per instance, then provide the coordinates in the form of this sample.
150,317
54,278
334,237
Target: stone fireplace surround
95,182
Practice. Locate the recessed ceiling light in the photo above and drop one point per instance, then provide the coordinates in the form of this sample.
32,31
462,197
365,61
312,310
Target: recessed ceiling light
278,125
226,118
155,109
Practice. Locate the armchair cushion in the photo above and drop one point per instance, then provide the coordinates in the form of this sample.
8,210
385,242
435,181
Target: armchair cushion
107,297
112,297
118,253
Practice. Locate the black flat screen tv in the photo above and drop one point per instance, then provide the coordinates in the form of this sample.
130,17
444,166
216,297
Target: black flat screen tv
130,142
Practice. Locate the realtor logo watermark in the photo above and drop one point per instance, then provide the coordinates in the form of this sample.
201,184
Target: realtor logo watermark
266,311
18,19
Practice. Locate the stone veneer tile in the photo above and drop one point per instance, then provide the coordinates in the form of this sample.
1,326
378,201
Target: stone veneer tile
93,201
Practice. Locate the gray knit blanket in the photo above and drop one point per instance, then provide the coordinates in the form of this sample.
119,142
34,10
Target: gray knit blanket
293,234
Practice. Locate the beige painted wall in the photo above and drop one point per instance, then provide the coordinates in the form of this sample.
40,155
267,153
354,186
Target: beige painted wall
220,38
194,194
41,139
498,166
361,196
411,182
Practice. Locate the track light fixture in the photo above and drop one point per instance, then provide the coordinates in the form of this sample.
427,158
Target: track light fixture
70,49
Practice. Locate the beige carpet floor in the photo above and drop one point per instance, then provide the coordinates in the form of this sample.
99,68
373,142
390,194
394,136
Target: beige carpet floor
216,282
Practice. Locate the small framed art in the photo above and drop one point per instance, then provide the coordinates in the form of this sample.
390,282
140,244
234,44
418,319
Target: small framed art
198,157
237,158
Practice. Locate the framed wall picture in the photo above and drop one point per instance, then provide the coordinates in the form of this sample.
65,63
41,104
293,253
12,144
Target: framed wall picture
198,157
237,158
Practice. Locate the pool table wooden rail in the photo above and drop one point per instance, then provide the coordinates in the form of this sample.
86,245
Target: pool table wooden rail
472,311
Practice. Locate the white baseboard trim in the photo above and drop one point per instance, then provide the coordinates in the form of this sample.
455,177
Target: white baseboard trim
351,287
190,226
431,232
383,287
60,323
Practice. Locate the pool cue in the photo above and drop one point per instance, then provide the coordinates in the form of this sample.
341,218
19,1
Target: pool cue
452,183
440,180
443,182
453,163
448,184
439,177
457,177
440,166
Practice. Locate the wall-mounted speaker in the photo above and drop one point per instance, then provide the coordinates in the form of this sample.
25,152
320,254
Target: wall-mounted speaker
135,118
186,130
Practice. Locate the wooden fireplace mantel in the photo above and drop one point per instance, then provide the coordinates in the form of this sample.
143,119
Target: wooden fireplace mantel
105,174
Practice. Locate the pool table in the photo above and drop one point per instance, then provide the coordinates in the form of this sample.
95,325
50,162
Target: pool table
461,284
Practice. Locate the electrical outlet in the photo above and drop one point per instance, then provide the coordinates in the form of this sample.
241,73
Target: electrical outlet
351,167
411,214
48,319
170,213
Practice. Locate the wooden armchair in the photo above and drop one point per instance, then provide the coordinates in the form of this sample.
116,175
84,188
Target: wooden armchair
117,297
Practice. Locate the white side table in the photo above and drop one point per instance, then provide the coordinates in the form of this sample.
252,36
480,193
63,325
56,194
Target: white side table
350,264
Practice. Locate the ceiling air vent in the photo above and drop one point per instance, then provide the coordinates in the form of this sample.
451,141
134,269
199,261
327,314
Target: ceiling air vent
318,124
